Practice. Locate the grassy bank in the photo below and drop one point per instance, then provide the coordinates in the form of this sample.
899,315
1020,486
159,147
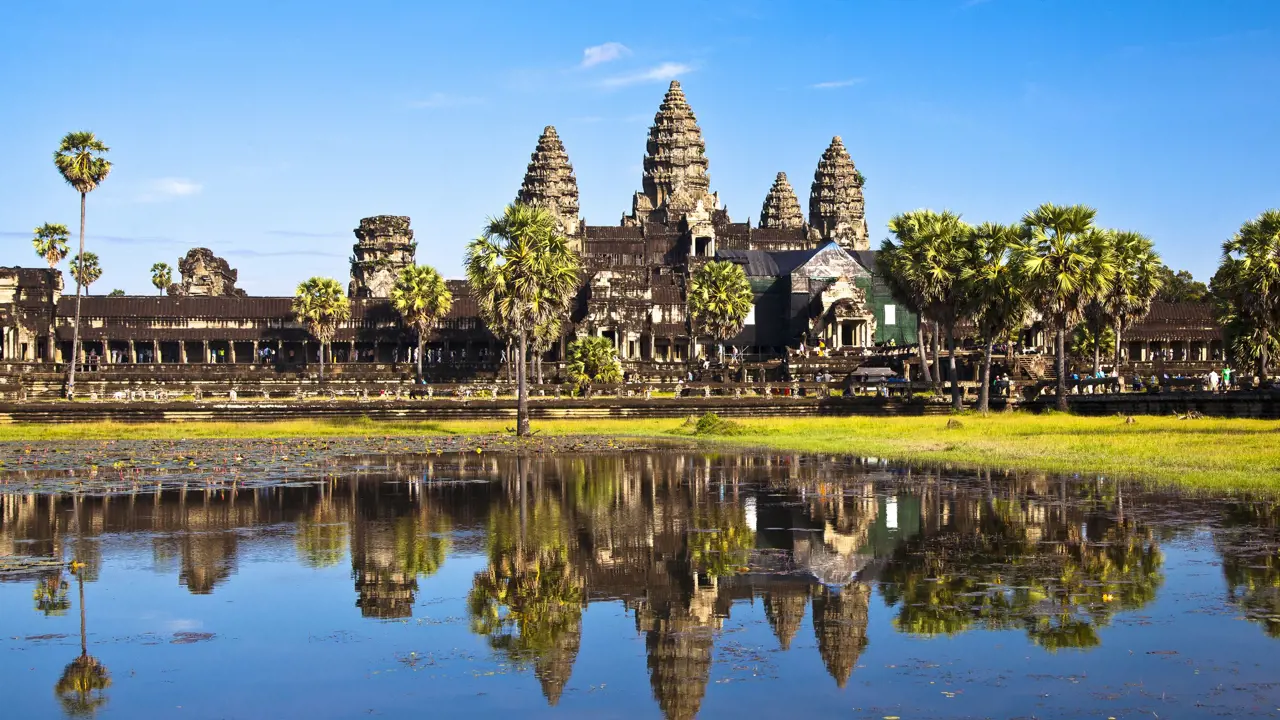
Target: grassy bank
1203,453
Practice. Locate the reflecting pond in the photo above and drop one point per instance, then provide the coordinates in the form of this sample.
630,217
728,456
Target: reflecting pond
639,584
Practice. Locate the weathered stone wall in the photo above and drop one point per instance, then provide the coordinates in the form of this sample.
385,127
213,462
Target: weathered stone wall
384,246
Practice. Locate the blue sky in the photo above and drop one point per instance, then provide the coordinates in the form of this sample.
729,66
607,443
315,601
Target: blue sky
267,130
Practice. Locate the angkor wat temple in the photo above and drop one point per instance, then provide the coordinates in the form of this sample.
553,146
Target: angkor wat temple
814,280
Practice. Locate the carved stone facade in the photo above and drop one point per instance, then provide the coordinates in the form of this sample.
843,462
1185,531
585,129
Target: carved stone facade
205,275
549,182
781,210
836,207
384,246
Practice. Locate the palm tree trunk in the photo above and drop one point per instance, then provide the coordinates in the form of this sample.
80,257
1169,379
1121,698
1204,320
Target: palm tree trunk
922,352
1262,355
1117,331
420,344
322,361
75,330
937,365
1060,366
522,391
957,402
84,640
1097,353
537,361
984,382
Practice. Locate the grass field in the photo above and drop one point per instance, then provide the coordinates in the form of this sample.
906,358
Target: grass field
1210,453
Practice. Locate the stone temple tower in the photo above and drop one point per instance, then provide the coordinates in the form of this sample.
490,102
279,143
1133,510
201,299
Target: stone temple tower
836,208
550,183
781,210
384,246
675,165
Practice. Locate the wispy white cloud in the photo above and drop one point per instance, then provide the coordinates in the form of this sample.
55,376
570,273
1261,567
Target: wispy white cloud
607,52
832,84
445,100
659,73
169,188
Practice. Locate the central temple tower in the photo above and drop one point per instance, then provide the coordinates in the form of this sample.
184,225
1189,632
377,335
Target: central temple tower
676,182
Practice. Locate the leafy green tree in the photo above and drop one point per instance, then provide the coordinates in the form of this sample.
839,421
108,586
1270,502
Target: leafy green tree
593,359
86,270
1064,263
719,300
894,261
1085,345
161,276
522,273
1248,285
1180,286
996,301
116,293
79,160
321,305
1127,295
421,297
930,259
50,242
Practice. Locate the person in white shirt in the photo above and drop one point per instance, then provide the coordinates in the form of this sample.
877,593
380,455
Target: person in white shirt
1213,381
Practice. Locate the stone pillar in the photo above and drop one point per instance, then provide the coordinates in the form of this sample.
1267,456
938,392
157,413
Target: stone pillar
231,351
133,352
204,351
257,353
106,351
182,352
155,350
651,348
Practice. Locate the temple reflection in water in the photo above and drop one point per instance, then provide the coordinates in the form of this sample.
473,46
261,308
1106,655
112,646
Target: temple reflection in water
679,540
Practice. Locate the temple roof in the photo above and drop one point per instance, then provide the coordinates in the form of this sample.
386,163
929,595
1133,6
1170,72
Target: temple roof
836,207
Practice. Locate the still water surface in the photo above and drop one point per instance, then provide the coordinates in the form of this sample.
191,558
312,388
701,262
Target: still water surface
642,585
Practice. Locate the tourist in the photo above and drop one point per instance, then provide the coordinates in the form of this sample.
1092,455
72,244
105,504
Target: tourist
1227,372
1213,381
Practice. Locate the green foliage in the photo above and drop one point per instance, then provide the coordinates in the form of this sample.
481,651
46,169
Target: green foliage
82,688
1180,286
85,269
721,542
421,297
593,359
80,162
719,299
161,276
711,424
996,300
321,304
116,293
50,242
1083,342
1064,261
1247,286
50,595
521,271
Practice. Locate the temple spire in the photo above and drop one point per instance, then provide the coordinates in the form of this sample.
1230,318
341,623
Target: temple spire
550,183
781,209
675,163
836,208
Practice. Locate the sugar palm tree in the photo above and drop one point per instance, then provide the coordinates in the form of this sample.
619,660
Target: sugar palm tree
719,300
80,162
161,276
1127,296
81,689
1065,263
522,273
893,261
996,301
50,242
321,305
86,270
421,297
1249,283
929,260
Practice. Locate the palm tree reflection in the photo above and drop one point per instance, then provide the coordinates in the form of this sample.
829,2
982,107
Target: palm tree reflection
82,688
